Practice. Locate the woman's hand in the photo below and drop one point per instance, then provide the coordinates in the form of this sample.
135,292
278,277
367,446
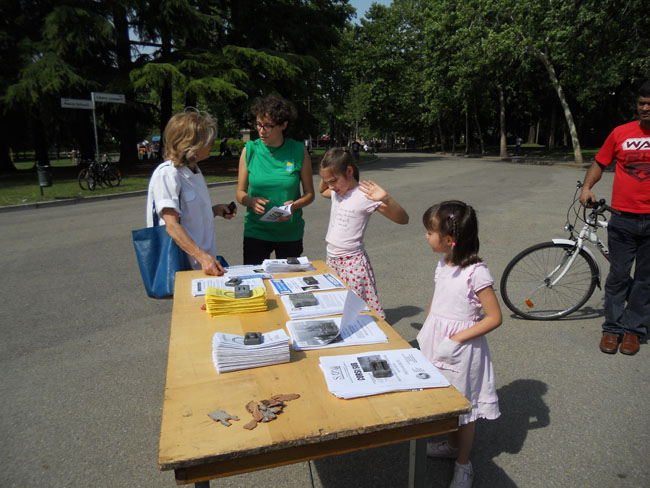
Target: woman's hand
258,204
288,202
210,265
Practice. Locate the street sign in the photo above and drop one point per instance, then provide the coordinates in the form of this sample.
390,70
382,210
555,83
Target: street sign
109,97
76,103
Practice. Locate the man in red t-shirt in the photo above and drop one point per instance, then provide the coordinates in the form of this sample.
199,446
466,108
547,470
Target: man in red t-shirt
628,233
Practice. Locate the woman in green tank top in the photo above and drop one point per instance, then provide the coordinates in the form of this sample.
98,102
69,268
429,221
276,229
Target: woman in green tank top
271,172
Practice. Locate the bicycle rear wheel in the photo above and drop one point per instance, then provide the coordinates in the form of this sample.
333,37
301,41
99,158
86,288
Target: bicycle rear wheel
527,283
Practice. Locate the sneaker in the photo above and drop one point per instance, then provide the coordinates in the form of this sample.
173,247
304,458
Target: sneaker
441,449
463,476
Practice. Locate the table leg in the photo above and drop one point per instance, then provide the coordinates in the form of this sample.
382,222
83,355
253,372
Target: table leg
417,462
202,484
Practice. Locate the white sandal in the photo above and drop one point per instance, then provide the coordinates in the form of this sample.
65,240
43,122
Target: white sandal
441,449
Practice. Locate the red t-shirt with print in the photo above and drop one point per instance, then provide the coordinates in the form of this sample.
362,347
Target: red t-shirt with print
629,146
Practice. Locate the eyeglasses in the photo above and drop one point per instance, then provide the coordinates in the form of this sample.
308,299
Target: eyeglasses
261,126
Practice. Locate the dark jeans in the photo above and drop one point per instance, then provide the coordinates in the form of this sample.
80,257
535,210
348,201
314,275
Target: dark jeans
629,240
257,250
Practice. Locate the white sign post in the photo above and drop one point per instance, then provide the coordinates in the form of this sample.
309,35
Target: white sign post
103,97
90,105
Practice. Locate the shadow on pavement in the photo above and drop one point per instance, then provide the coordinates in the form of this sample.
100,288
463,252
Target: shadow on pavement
394,315
522,409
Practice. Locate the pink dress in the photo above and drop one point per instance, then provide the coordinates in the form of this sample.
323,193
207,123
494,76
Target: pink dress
467,366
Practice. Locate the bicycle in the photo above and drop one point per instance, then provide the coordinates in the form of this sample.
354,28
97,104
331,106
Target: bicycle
97,174
553,279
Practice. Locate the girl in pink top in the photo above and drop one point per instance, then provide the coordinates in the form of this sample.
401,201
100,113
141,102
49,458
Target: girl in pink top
464,308
353,203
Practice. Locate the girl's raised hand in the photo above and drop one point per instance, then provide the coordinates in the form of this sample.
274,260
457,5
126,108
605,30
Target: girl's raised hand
373,191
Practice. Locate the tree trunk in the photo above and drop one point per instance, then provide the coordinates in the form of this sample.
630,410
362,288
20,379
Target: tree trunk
577,151
165,94
503,146
480,134
190,99
466,127
6,154
551,133
40,143
128,140
531,134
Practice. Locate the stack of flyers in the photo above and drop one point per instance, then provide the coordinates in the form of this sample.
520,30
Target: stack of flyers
229,353
219,302
289,265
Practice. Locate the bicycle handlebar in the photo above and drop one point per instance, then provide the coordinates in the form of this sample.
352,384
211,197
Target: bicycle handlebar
600,207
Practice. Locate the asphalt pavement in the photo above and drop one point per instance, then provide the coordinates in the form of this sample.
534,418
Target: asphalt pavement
83,350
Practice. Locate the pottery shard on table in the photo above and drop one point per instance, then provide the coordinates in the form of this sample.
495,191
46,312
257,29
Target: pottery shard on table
223,417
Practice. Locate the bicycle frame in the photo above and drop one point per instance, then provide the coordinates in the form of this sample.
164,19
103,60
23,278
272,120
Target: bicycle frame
587,234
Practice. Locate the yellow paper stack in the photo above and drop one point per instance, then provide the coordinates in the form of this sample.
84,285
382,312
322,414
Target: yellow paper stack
219,302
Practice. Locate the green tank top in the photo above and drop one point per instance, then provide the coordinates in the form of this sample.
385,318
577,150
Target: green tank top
274,175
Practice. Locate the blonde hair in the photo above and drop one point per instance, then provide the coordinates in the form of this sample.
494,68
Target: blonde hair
186,134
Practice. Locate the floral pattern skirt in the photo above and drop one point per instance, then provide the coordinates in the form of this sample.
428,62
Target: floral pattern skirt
356,271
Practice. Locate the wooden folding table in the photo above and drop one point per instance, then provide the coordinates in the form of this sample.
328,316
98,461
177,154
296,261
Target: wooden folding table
314,426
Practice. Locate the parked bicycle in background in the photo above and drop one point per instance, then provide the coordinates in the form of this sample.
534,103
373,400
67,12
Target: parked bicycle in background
98,173
553,279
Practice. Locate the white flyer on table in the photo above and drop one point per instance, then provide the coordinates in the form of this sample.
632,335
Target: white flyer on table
302,263
200,285
301,284
351,376
276,213
247,271
349,330
329,303
328,333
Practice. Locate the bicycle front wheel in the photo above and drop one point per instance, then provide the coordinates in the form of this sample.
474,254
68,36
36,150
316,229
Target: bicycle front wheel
113,176
86,180
530,285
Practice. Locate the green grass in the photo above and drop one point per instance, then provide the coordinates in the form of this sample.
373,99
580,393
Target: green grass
22,187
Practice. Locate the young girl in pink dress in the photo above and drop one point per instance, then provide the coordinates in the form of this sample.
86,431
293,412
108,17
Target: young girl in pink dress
353,203
464,308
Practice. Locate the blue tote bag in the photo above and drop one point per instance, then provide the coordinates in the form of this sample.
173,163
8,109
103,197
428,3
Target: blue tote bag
159,257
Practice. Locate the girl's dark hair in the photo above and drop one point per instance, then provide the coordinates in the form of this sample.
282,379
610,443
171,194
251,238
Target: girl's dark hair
338,160
275,108
458,220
